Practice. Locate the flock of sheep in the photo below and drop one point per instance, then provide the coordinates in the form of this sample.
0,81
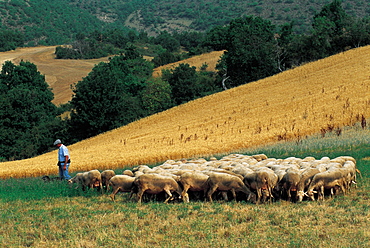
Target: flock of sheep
255,178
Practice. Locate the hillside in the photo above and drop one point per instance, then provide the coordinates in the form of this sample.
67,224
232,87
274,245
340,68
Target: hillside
325,94
61,73
55,22
184,15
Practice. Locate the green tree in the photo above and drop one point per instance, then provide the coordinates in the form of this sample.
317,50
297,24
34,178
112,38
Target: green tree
183,82
250,51
164,58
216,38
167,41
10,40
26,112
284,51
116,37
328,28
109,96
359,32
156,96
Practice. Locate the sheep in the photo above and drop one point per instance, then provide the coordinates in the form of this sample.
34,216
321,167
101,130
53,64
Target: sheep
105,177
78,180
241,170
306,177
90,179
155,184
351,166
325,180
259,157
121,183
193,181
289,183
226,182
262,181
128,173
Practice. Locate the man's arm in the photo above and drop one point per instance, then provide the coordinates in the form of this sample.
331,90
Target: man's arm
66,158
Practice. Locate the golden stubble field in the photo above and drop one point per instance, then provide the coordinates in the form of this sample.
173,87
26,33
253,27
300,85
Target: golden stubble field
332,92
59,73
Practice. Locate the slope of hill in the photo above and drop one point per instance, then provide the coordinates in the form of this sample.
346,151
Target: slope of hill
184,15
61,73
55,22
325,94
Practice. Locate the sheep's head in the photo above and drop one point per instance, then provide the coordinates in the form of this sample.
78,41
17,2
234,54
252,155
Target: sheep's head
310,194
300,195
75,179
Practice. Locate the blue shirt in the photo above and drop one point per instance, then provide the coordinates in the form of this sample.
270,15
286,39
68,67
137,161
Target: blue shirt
63,151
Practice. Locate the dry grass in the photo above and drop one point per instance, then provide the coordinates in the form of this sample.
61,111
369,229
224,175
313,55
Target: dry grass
211,59
326,94
93,221
59,74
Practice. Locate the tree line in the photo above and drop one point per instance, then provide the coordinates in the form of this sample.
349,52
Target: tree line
123,90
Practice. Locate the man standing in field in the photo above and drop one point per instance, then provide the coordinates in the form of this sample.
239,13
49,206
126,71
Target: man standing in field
64,160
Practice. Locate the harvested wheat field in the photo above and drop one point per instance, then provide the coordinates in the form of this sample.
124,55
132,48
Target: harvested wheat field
59,73
211,59
325,94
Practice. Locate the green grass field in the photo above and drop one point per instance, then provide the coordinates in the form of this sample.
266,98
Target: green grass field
38,214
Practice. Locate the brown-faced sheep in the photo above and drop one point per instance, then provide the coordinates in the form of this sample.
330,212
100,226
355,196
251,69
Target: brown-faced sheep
105,177
288,184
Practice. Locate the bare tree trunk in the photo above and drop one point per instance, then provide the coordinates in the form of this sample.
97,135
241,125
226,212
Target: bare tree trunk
223,82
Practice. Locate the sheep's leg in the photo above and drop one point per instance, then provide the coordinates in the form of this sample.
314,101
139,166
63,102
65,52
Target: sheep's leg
343,189
184,194
259,195
233,193
210,193
113,195
140,195
289,194
224,196
321,193
168,192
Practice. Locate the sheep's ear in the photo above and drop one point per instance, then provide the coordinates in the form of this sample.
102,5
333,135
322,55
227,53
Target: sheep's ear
305,193
314,192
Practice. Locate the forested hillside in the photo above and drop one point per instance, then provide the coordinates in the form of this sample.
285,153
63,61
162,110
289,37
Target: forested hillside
53,22
204,14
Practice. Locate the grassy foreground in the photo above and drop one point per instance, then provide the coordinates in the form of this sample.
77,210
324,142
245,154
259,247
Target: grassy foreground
38,214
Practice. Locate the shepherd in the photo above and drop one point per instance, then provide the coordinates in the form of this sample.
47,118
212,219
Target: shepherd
64,160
